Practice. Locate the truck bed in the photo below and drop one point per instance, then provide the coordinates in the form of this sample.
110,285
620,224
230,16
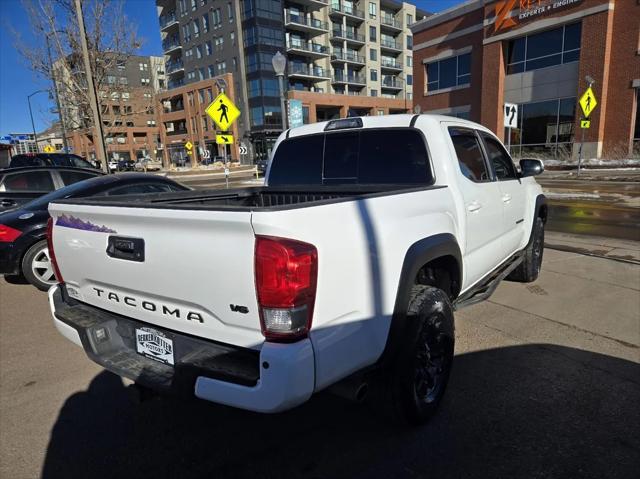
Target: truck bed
250,199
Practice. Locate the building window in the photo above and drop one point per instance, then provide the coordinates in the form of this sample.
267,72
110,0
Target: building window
373,93
111,80
372,34
409,19
212,71
454,71
235,64
123,81
201,96
409,61
546,129
233,38
186,33
208,49
196,28
201,73
409,80
217,18
409,42
373,75
544,49
121,64
205,22
409,95
199,51
125,96
205,123
373,54
372,10
144,81
230,12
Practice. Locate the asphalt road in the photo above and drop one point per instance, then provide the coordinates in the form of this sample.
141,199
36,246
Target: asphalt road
546,383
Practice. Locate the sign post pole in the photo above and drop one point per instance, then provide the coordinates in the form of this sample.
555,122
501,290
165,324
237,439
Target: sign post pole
580,151
587,102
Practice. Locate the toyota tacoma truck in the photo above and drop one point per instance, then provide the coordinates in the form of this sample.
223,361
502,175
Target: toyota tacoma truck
342,272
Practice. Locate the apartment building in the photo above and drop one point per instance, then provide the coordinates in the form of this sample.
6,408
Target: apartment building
182,118
126,90
340,54
540,55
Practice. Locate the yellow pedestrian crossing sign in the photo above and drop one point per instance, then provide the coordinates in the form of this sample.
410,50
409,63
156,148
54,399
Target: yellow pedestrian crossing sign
223,112
224,139
188,145
588,102
49,149
585,123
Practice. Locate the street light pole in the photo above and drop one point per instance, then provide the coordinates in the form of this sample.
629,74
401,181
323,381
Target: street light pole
279,62
33,126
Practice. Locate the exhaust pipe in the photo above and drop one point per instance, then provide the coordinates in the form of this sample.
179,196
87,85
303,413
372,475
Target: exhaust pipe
352,388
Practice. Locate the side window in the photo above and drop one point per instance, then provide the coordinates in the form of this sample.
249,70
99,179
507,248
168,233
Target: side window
79,162
60,160
469,154
499,159
31,181
70,177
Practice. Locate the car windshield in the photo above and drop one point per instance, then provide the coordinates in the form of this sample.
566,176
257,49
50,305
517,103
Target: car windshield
75,189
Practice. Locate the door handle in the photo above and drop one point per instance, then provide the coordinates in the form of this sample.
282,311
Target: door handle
506,198
473,206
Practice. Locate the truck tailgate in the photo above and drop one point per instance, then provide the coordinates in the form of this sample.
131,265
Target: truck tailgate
187,271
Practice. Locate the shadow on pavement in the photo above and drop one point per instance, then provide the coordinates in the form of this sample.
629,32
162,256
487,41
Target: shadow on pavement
524,411
15,279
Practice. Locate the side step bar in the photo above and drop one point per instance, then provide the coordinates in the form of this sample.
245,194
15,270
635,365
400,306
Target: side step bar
485,288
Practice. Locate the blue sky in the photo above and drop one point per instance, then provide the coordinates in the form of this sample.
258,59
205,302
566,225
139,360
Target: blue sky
17,81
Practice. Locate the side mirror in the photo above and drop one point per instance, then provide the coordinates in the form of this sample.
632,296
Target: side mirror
530,167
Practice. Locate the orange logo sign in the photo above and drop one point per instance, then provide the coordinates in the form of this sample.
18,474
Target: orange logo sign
503,9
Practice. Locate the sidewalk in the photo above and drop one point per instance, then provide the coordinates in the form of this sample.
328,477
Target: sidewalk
610,248
604,174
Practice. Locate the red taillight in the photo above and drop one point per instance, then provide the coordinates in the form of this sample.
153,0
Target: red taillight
52,254
286,277
8,234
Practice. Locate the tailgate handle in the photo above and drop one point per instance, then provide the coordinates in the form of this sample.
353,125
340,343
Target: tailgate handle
130,249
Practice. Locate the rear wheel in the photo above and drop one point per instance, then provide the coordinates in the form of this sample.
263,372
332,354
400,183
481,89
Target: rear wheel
529,269
417,378
37,267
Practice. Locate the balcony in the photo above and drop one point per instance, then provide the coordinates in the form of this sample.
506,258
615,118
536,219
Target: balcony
352,79
390,64
339,34
175,83
308,49
338,11
297,70
348,57
174,66
313,4
171,44
169,20
304,24
391,83
390,23
390,45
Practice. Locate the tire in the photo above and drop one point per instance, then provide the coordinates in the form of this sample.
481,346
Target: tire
529,269
415,382
37,267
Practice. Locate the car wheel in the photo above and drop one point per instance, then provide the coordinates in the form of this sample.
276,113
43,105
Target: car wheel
37,267
416,380
529,269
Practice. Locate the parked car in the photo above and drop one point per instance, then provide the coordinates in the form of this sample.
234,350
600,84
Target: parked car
341,273
125,165
50,159
23,245
113,165
21,185
147,164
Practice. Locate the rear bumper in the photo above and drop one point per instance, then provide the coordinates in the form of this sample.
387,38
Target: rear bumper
276,378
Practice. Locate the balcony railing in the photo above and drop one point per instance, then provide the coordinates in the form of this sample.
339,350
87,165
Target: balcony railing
391,82
174,66
390,44
307,46
391,64
347,57
390,21
168,19
308,22
348,34
348,10
301,69
171,43
340,77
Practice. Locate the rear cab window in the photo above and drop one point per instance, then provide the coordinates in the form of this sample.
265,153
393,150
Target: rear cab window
28,181
363,156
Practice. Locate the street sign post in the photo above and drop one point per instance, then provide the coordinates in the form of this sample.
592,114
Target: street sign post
510,120
588,103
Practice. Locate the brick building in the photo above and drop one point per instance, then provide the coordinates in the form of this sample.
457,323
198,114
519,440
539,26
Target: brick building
471,59
182,118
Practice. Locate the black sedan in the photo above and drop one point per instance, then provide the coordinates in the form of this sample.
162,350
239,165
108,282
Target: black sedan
23,244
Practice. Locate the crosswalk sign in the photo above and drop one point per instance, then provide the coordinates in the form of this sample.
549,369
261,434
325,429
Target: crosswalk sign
585,124
224,139
588,102
223,112
188,145
49,149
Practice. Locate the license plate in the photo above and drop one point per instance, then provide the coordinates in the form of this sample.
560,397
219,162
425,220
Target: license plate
154,345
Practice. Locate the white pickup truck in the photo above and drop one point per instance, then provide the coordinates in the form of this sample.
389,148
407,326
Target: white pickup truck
343,271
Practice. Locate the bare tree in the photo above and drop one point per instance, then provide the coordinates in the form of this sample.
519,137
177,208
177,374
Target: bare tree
56,55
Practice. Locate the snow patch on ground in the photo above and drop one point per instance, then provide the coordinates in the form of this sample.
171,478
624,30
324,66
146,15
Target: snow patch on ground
625,163
564,196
